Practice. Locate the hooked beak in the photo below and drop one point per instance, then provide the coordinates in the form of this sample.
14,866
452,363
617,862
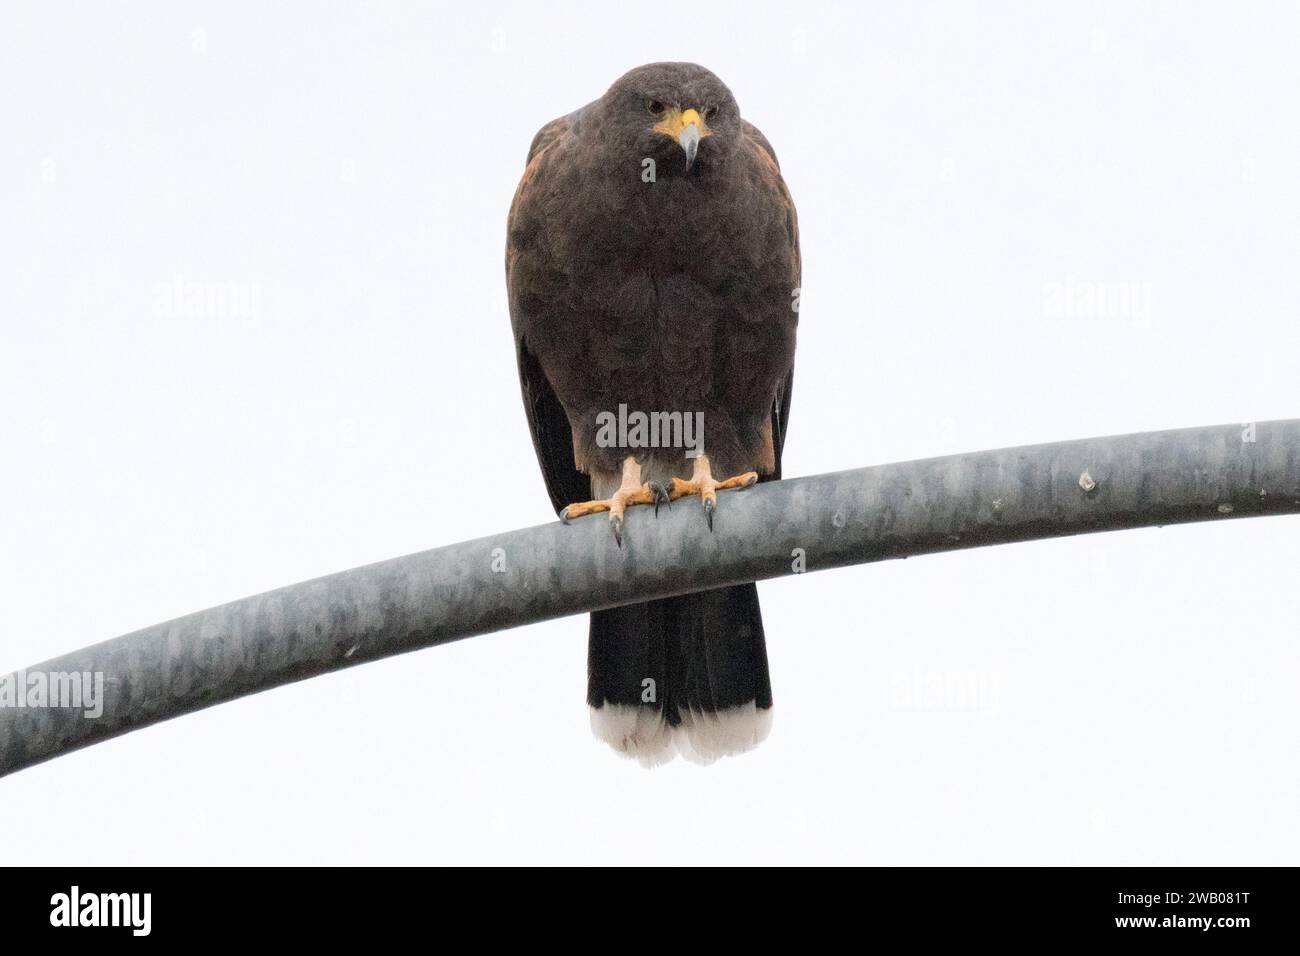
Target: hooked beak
688,128
690,141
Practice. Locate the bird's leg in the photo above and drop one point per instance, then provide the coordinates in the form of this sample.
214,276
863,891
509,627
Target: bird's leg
702,483
632,491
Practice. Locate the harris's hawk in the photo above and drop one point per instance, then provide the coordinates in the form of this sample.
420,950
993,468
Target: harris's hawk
652,260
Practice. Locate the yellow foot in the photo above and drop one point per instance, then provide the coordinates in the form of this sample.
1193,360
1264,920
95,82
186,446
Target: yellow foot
703,484
632,491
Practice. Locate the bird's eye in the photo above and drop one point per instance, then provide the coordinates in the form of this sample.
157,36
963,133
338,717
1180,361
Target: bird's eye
654,106
711,112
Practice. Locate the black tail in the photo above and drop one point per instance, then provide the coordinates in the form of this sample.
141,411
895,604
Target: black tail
686,673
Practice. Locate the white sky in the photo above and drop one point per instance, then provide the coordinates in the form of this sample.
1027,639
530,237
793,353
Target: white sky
956,168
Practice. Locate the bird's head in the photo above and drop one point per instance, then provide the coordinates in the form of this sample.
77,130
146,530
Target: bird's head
678,114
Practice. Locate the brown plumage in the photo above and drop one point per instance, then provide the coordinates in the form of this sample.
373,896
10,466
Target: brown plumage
652,261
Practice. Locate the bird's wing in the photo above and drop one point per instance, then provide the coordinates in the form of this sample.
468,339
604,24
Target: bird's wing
547,421
770,168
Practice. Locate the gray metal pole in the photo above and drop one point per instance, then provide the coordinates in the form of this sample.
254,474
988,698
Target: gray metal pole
520,577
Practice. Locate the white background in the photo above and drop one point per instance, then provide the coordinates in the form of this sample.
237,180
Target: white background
1128,698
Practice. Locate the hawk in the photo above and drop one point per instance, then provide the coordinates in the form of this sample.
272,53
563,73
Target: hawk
652,263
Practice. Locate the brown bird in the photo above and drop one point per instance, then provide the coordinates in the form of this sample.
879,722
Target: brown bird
652,260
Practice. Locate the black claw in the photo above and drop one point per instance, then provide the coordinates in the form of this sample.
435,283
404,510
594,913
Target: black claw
709,506
661,496
616,522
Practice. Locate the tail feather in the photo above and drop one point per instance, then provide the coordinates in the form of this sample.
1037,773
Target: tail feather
685,674
704,737
635,731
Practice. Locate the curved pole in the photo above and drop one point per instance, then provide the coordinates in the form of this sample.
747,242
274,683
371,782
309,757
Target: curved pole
552,570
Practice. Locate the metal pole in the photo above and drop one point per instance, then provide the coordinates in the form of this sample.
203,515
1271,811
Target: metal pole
520,577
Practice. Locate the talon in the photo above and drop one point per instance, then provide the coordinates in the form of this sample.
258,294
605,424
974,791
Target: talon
630,492
703,483
660,496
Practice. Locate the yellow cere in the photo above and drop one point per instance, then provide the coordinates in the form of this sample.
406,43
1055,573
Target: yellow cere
675,121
